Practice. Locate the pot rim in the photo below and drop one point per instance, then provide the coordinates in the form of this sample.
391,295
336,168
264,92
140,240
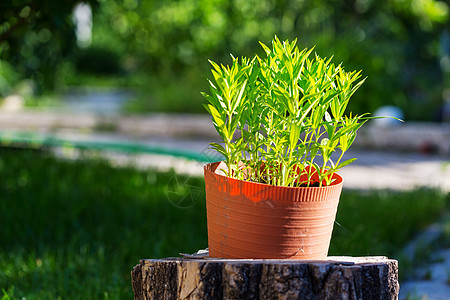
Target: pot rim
209,169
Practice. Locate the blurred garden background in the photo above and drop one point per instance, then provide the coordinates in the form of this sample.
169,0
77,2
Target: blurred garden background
160,49
87,87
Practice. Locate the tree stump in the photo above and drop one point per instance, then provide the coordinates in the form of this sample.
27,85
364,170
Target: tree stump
195,277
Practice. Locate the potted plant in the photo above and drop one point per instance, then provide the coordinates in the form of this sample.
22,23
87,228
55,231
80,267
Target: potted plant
281,117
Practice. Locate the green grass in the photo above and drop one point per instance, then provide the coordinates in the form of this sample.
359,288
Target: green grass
75,229
378,222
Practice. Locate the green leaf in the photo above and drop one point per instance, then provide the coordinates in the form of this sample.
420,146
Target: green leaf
346,129
238,98
213,100
266,49
219,148
307,110
217,117
294,135
345,163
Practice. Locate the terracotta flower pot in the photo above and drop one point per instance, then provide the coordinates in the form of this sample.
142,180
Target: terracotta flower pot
254,220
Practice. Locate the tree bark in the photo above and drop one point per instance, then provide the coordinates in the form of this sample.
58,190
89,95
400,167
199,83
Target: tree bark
211,278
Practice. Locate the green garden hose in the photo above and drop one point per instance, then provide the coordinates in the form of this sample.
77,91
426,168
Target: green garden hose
32,139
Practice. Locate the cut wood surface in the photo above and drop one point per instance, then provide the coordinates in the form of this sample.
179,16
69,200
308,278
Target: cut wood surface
196,277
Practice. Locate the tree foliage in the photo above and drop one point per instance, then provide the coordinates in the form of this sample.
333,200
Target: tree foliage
396,42
36,36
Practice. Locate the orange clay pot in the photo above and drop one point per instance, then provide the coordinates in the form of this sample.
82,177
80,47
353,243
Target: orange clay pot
254,220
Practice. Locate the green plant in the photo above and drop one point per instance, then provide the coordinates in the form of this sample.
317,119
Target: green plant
278,113
7,294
